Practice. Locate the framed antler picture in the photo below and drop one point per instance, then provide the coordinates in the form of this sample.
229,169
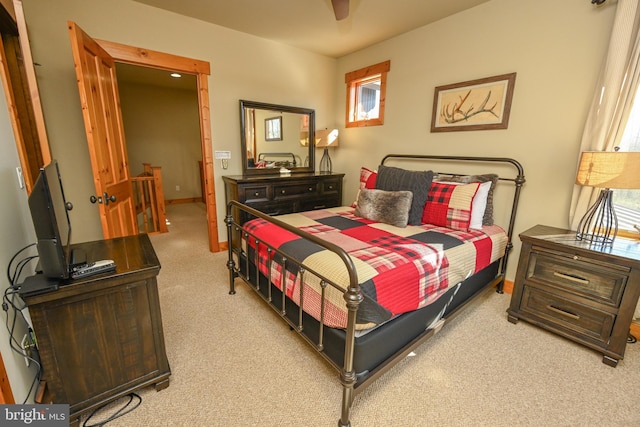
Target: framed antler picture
473,105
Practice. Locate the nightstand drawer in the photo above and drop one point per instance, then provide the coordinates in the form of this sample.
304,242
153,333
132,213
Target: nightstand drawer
295,190
582,276
581,319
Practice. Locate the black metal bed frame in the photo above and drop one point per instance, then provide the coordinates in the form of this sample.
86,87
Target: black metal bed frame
351,383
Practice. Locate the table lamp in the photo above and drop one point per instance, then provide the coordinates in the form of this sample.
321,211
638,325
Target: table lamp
605,170
326,138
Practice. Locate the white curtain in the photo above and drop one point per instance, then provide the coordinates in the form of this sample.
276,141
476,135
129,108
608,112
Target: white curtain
613,98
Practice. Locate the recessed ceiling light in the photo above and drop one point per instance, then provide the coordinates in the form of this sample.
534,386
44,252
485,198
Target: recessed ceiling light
176,75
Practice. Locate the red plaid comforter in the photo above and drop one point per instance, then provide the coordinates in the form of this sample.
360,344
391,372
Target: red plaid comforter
399,269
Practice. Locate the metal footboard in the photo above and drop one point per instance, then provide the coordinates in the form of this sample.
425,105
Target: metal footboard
352,295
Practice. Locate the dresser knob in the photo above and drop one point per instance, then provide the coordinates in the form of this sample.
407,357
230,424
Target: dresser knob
310,188
257,194
576,257
283,192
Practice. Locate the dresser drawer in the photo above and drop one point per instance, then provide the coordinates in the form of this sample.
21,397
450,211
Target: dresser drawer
582,276
581,319
319,203
256,193
281,191
330,187
273,208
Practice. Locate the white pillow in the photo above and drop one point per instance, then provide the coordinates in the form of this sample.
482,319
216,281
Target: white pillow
479,205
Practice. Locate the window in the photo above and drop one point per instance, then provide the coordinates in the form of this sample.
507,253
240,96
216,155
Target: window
627,202
366,90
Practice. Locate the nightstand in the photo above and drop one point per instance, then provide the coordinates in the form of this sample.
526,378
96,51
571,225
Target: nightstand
581,291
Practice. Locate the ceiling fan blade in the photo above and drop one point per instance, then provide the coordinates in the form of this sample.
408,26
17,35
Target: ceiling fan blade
340,9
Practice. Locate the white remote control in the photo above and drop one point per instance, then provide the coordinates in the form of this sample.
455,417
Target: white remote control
93,268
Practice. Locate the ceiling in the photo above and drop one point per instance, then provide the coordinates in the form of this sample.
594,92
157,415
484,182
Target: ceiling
311,24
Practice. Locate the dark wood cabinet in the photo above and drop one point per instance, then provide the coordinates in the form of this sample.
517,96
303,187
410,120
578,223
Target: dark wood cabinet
101,337
585,292
283,194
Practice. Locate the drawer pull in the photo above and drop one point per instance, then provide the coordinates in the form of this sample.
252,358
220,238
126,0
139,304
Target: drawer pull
257,194
319,207
331,187
310,188
563,312
571,278
283,192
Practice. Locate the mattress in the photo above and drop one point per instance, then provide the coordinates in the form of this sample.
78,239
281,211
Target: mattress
400,270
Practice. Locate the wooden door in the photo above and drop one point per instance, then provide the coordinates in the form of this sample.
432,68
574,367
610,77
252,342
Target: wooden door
96,74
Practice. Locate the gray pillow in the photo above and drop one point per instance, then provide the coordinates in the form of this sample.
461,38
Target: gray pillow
390,207
418,182
487,219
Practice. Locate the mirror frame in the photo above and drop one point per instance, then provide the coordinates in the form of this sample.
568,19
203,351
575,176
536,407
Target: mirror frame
244,104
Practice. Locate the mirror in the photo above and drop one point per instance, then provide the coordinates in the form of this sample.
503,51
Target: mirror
276,136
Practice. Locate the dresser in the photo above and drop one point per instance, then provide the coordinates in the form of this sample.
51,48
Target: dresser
581,291
100,337
283,194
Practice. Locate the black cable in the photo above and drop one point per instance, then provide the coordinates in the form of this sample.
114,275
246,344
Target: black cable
8,300
631,339
119,413
9,276
13,343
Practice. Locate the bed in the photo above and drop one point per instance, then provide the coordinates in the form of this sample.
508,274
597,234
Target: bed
365,284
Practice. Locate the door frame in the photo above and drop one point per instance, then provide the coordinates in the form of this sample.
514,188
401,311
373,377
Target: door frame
201,69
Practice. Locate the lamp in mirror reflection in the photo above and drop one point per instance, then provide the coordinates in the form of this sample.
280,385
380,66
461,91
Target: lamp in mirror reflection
606,170
326,138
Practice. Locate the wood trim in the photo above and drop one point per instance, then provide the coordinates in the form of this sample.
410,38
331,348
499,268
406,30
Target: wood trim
183,201
635,329
508,287
32,82
149,58
6,395
380,68
139,56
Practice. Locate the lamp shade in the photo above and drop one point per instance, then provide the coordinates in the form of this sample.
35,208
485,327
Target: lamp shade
609,169
326,138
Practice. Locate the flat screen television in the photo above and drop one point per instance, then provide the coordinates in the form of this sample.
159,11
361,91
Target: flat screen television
49,212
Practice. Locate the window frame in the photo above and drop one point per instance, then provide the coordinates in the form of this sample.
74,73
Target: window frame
354,80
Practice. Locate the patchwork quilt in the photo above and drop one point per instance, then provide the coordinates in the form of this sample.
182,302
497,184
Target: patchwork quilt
399,269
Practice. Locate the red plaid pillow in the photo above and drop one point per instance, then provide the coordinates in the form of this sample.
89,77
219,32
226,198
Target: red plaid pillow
367,180
449,205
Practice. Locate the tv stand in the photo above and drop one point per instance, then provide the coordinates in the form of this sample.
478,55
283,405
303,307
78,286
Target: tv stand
100,337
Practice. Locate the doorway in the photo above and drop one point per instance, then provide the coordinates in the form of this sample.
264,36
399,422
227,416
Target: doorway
201,70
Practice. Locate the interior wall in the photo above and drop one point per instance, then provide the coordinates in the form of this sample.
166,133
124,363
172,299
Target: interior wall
243,67
162,127
556,49
16,232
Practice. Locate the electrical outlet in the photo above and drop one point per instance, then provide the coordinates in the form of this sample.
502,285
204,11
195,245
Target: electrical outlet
26,348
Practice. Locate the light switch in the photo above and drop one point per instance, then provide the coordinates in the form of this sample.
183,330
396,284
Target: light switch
20,177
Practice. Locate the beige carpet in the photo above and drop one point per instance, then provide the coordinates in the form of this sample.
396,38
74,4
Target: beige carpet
480,370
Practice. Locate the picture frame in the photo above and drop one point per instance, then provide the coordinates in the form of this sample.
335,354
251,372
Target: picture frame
273,129
473,105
